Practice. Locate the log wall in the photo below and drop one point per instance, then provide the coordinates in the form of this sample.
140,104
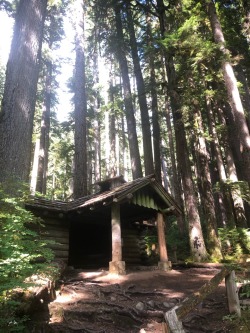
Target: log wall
56,230
133,247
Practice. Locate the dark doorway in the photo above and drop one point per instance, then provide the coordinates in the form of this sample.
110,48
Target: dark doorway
89,245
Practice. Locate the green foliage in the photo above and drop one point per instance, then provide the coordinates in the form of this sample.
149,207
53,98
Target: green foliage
245,291
61,153
230,186
177,242
234,241
22,251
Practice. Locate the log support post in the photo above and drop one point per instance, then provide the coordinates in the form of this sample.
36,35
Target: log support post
164,263
232,294
116,266
173,323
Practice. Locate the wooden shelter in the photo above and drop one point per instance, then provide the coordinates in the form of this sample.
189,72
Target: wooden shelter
105,228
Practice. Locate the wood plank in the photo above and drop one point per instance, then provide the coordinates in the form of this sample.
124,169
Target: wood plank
55,233
63,247
61,254
61,240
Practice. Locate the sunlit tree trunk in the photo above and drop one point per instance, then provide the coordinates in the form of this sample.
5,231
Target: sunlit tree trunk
215,146
197,244
154,105
145,122
112,132
80,103
130,117
243,79
96,107
233,177
206,193
44,135
234,98
33,179
18,104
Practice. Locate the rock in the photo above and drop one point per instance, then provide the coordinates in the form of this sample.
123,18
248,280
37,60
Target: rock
151,303
168,304
140,306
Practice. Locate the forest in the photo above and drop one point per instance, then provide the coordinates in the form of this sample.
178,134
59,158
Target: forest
158,87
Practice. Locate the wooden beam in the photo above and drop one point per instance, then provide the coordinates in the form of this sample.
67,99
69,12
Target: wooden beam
116,232
175,315
188,304
161,237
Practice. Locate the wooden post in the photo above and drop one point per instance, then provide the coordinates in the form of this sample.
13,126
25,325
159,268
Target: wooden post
164,263
116,265
175,315
232,295
173,323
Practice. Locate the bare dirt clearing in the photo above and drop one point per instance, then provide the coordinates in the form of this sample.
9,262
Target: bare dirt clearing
98,302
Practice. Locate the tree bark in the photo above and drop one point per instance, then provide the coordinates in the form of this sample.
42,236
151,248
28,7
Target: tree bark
18,104
206,193
129,109
215,147
44,135
80,101
246,100
197,244
234,98
161,237
154,106
112,133
145,123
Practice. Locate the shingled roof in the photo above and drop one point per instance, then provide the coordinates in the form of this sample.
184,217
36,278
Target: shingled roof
121,193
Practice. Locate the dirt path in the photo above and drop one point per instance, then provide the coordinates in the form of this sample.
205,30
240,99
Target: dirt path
97,302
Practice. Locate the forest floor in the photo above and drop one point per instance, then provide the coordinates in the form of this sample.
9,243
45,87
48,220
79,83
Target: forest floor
98,302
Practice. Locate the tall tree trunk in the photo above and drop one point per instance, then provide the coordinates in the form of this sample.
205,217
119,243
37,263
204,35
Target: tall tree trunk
34,172
130,117
18,104
215,146
44,135
197,244
154,106
207,199
80,101
233,177
246,100
96,106
241,127
112,133
145,123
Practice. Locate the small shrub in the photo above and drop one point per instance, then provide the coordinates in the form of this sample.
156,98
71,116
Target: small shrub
234,241
20,249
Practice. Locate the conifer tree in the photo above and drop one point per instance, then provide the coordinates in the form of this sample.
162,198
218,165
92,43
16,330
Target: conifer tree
18,103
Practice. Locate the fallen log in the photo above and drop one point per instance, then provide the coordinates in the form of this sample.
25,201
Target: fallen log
174,316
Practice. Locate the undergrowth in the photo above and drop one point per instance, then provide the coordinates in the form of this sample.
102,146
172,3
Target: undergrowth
22,252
